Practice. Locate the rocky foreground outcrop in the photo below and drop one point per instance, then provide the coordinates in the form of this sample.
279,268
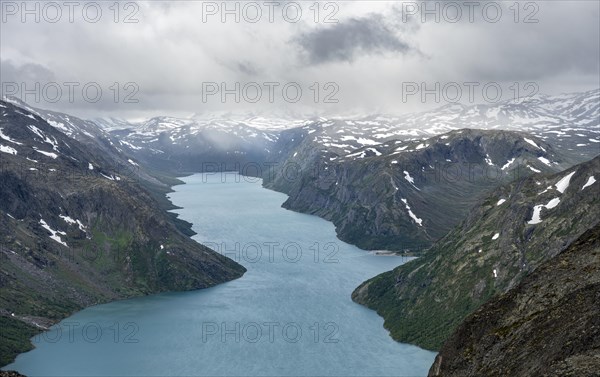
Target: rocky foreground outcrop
548,325
10,373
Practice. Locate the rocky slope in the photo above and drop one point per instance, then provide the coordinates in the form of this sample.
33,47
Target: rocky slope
403,195
99,142
506,237
76,231
548,325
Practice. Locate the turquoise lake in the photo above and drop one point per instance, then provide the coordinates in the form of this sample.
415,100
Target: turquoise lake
290,315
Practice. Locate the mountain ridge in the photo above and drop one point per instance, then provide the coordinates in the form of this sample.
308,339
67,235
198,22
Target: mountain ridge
408,193
76,231
493,249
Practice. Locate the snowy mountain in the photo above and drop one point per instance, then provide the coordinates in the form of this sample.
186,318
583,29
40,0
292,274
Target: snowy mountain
96,139
569,122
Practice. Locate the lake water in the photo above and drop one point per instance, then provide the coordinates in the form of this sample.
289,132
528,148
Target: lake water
291,313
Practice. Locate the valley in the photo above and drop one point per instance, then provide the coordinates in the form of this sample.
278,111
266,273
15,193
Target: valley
386,185
316,189
290,313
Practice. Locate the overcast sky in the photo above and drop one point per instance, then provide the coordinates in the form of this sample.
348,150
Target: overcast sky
364,56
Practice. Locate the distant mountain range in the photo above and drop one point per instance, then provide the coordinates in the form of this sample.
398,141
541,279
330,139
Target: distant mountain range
569,121
387,183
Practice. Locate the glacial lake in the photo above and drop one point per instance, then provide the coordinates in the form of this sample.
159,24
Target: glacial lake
290,315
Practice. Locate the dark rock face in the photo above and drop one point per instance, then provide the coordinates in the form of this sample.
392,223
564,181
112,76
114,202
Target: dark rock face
74,232
424,300
548,325
404,200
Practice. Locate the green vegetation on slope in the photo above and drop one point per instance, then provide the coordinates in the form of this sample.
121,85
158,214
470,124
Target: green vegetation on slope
14,338
423,301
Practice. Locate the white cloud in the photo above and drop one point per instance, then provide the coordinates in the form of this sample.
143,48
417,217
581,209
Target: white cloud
171,52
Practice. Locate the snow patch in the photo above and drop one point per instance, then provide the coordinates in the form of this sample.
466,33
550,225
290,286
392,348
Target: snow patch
131,145
54,233
589,182
360,154
537,211
7,138
553,203
411,214
364,141
49,154
562,185
44,138
7,149
72,221
533,143
377,153
508,164
536,218
60,126
112,177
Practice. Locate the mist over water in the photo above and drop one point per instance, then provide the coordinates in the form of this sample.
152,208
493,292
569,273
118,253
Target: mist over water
290,314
